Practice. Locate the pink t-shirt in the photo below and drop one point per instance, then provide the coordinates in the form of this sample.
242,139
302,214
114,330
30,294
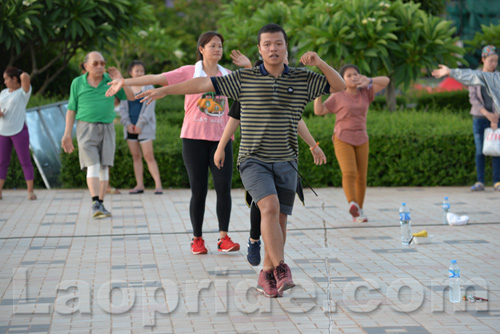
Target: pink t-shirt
198,124
351,110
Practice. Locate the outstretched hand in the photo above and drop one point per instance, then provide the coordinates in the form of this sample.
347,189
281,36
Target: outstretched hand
116,85
319,156
310,58
151,95
239,59
441,72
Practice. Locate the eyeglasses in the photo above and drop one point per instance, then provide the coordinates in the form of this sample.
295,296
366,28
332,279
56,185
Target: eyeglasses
96,63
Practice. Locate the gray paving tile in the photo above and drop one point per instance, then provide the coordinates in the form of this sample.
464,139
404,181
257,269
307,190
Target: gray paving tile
68,263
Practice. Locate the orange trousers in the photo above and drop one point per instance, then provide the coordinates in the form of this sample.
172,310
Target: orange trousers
353,162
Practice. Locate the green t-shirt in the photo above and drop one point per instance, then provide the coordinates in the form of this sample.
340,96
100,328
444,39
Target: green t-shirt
90,103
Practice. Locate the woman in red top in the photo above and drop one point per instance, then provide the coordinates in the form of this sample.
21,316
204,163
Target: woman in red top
350,138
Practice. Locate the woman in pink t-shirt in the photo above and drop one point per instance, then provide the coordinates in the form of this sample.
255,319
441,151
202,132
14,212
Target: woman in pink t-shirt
350,138
204,122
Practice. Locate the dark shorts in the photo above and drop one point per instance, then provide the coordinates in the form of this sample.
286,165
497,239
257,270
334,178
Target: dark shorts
135,137
262,179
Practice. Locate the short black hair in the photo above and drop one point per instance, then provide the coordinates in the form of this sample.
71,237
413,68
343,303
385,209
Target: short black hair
271,27
346,67
133,63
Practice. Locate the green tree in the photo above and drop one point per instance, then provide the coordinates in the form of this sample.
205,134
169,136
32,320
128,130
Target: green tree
382,37
43,36
489,35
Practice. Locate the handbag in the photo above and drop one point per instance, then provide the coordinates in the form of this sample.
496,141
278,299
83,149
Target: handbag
491,144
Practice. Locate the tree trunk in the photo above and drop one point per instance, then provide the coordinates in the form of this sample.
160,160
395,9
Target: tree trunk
390,95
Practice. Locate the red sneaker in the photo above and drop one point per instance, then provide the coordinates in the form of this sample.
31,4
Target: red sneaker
227,245
354,210
283,276
267,284
198,246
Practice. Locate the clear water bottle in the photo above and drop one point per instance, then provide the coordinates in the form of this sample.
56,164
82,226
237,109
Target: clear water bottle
446,209
454,282
405,222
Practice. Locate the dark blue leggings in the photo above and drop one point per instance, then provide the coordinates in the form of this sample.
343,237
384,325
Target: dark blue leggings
198,157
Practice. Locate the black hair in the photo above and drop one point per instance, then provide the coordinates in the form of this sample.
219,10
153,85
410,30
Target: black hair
346,67
271,27
204,39
14,72
134,63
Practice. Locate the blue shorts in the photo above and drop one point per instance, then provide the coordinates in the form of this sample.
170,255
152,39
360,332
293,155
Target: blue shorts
262,179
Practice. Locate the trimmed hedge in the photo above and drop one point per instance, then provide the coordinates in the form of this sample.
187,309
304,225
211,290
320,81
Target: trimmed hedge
456,101
407,148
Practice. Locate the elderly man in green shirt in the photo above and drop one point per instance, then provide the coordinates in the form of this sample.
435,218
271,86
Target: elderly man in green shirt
95,130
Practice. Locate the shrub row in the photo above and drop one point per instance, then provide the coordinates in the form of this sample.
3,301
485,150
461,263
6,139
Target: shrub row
456,101
407,148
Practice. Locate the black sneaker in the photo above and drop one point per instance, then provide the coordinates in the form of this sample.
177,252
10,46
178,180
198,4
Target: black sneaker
253,256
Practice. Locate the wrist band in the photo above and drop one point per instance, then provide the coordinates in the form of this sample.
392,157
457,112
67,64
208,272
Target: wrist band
312,148
123,82
371,81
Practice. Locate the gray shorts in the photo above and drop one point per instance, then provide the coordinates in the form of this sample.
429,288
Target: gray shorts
96,143
262,179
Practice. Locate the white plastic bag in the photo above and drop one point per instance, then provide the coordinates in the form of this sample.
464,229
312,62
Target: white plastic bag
491,144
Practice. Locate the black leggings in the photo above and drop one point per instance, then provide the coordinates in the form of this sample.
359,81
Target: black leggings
254,221
198,155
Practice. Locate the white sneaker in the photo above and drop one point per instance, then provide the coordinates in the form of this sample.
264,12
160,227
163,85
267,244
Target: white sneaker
354,210
361,218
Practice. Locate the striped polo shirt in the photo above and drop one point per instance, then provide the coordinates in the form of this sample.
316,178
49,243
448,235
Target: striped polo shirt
270,108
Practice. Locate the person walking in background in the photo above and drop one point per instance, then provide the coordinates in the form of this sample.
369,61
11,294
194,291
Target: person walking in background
350,139
95,131
205,117
485,115
273,97
139,128
13,128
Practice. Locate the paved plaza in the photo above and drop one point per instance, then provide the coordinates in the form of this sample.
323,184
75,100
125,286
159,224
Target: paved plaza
63,272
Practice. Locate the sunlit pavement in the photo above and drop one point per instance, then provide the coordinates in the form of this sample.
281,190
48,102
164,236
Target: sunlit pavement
63,272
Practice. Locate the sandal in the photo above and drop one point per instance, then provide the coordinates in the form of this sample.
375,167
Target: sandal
113,191
136,191
478,186
496,187
31,196
158,191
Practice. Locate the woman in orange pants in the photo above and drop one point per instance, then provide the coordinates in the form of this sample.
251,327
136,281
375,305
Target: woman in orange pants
350,138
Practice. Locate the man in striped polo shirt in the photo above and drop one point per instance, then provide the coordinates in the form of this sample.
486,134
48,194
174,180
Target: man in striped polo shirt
272,97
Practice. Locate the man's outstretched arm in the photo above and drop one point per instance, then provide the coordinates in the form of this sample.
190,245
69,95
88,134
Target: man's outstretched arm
193,86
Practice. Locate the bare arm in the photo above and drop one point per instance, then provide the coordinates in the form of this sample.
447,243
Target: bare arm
316,151
319,107
193,86
229,130
25,81
378,83
67,141
118,81
336,82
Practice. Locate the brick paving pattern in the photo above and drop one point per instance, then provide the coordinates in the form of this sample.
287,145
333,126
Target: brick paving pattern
63,272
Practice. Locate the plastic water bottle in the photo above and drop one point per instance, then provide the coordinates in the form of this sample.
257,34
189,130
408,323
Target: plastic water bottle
405,222
446,209
454,282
